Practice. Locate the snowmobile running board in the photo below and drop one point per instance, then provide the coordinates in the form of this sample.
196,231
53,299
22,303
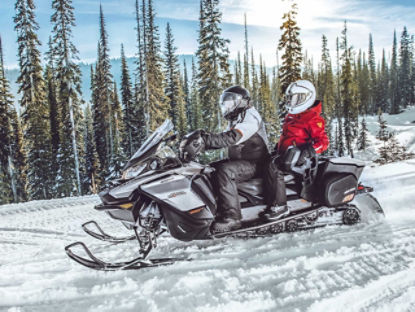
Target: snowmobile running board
296,222
101,235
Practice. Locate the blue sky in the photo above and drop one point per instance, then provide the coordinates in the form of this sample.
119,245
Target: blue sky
380,17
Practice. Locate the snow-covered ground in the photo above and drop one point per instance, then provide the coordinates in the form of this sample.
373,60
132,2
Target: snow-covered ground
368,267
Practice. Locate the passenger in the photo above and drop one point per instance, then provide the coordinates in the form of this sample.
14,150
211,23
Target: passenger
303,127
247,144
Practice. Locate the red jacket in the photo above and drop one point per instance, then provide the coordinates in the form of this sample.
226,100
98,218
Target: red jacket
306,127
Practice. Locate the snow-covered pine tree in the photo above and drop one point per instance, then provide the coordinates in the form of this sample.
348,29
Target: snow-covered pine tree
128,106
349,94
372,77
393,151
268,108
118,157
197,122
140,107
383,85
103,117
362,140
363,74
182,123
246,82
68,78
308,69
55,122
186,92
326,90
383,134
238,70
290,69
405,64
213,74
19,157
7,176
394,79
172,76
33,101
157,100
91,180
254,82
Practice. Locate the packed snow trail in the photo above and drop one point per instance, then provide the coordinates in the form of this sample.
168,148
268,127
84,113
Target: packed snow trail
340,268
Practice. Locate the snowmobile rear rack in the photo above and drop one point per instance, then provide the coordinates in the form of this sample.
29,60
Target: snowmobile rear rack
101,235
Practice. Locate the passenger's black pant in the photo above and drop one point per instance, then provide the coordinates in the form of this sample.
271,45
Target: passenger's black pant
274,185
228,173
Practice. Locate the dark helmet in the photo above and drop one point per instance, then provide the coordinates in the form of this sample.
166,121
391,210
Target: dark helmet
233,101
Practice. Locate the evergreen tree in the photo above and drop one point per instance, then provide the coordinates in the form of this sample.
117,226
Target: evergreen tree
7,178
102,113
290,70
308,69
394,79
91,180
186,91
362,140
158,109
68,76
326,88
383,134
254,82
349,94
372,77
33,100
364,83
195,100
405,64
54,112
268,108
212,53
238,70
140,108
128,107
118,157
246,57
383,85
19,158
172,77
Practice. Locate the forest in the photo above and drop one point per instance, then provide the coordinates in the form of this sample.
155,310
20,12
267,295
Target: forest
58,144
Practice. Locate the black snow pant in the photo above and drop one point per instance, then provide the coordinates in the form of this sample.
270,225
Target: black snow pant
228,173
274,185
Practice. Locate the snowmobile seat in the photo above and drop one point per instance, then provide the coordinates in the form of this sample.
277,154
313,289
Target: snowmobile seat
255,186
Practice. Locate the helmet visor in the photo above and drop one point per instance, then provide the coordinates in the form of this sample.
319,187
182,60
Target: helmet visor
228,102
297,99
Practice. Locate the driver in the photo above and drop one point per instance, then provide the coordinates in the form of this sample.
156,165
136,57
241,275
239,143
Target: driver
247,144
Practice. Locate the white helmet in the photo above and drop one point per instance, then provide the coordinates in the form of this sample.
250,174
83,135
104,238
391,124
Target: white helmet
300,96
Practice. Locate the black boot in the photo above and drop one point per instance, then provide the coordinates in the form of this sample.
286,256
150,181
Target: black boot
226,225
273,213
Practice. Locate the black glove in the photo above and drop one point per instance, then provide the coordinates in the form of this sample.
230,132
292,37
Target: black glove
307,152
192,145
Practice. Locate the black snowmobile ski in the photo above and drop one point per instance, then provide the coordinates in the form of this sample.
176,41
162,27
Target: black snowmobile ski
101,235
146,246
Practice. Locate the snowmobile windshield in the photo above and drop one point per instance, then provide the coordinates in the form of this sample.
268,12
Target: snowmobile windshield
148,147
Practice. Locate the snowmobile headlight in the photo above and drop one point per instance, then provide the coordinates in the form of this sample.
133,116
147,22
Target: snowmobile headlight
133,171
164,151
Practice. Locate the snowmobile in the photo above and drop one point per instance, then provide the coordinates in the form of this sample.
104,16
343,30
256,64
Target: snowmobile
158,193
